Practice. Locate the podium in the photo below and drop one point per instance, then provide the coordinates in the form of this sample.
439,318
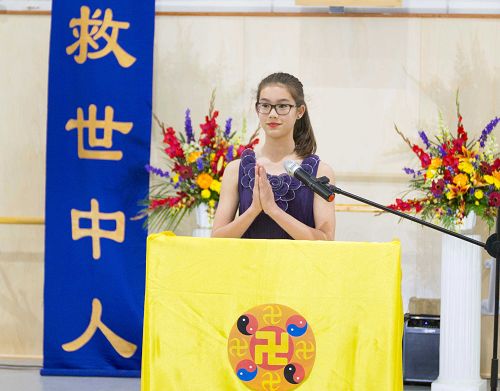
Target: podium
245,314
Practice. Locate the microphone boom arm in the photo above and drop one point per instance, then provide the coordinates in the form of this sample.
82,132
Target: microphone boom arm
336,190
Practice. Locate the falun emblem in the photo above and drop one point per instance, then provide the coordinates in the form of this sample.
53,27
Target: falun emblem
271,347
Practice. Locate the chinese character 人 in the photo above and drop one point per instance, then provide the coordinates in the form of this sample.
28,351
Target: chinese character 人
123,348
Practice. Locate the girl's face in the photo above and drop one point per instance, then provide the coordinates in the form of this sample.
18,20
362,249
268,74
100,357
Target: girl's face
277,110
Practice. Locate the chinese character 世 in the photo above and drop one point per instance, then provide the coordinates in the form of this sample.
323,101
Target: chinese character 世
92,124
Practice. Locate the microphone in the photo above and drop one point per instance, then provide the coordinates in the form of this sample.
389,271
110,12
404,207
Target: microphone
319,186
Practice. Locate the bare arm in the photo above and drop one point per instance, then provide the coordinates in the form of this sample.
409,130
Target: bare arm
324,212
225,224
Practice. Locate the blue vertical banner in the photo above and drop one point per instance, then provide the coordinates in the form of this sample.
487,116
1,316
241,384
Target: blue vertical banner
98,141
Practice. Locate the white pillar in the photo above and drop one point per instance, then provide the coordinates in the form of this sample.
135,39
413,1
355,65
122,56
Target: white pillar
460,334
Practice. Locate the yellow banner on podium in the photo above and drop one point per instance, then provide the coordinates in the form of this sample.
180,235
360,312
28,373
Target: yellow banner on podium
233,314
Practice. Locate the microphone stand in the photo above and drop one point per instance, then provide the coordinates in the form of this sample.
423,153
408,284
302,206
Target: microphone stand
492,246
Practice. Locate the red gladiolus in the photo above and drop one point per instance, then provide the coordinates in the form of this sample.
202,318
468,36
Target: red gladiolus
425,159
462,134
401,205
174,148
208,130
451,161
156,203
457,145
407,206
496,165
215,162
447,176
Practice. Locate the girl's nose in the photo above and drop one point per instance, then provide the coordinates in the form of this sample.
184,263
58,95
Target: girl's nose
273,112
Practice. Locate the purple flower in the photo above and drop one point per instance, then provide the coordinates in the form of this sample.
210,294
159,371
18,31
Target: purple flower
199,164
441,151
409,171
229,155
156,171
424,138
228,126
487,130
188,127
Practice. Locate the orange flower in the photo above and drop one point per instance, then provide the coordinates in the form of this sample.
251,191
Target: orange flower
457,190
461,180
204,180
191,158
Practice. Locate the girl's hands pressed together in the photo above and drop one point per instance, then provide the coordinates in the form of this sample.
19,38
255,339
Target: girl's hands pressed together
266,192
256,204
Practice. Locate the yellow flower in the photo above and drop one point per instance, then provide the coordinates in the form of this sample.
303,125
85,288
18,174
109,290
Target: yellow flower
215,186
191,158
220,163
204,180
466,166
430,173
205,193
479,194
175,178
477,202
493,179
211,203
460,180
435,163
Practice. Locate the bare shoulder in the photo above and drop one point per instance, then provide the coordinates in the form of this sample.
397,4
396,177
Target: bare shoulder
231,170
325,170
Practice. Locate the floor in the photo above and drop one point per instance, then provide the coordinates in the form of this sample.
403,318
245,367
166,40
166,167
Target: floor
30,380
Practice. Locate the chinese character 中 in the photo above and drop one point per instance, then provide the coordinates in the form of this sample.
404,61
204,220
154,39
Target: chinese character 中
95,232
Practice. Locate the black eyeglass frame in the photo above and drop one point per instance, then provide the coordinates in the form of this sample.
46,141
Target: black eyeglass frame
274,107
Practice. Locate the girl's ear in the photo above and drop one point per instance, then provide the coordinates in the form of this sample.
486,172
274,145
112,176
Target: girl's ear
300,111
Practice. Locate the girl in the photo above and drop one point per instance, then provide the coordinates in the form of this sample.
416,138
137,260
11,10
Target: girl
273,205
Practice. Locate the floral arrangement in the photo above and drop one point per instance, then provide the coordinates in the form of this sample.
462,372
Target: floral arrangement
195,169
457,175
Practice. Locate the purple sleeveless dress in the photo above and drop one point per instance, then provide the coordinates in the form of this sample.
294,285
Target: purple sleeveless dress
289,193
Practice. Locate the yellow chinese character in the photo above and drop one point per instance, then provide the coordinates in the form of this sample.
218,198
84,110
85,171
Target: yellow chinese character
92,124
94,231
123,348
88,30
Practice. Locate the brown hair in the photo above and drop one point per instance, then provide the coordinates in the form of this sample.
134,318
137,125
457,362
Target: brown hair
303,135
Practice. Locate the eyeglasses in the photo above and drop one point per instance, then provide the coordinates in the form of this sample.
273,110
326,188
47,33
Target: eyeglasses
280,108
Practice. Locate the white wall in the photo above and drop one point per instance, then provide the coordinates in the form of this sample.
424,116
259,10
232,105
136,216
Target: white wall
361,75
